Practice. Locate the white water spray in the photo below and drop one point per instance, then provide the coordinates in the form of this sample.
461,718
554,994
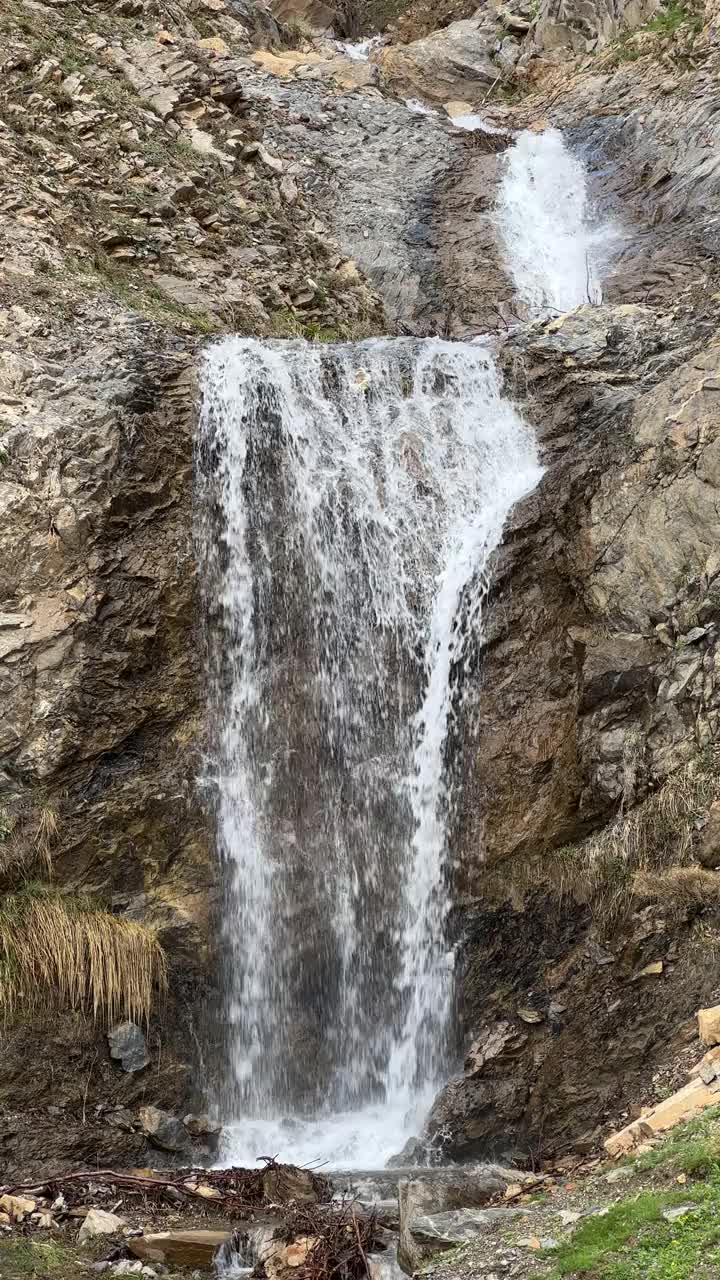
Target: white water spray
555,250
349,498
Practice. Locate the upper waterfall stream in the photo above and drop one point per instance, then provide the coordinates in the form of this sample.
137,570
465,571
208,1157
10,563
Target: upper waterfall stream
349,498
555,249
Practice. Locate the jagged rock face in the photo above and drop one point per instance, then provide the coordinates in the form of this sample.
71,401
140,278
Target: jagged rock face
607,616
609,580
101,305
589,25
100,680
600,673
100,673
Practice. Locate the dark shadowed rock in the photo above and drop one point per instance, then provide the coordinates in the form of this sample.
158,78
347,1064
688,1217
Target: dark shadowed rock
204,1130
283,1183
413,1153
164,1130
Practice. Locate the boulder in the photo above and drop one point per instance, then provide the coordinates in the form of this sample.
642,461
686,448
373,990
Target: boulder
283,1183
282,1261
708,847
682,1105
17,1207
180,1248
260,23
127,1044
708,1068
709,1025
472,1116
454,63
314,14
99,1223
437,1211
204,1129
414,1152
164,1130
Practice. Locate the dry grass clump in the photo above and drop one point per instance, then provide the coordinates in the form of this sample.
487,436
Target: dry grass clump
678,887
26,845
45,837
58,951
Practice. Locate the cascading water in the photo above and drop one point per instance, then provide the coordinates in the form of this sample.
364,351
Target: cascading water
555,251
349,497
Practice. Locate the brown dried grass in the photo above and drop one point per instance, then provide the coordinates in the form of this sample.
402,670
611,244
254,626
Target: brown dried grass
45,837
27,842
678,887
68,953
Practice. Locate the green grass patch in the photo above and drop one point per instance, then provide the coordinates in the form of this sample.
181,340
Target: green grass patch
672,16
693,1148
20,1259
599,1237
633,1241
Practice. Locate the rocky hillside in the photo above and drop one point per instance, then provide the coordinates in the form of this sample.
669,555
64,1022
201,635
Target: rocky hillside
183,167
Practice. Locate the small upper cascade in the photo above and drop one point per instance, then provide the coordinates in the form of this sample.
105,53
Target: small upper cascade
555,250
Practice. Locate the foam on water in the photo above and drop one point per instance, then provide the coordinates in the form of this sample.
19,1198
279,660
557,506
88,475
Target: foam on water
419,108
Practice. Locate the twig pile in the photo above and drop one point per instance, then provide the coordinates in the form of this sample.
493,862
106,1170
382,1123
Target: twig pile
337,1238
238,1190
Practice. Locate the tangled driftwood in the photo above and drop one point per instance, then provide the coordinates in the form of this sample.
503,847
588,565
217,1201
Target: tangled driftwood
235,1189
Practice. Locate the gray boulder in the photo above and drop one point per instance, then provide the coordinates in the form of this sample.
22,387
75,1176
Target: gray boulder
437,1211
164,1130
453,63
204,1130
128,1045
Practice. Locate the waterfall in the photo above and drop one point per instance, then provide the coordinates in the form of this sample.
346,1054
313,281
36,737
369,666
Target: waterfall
349,497
556,252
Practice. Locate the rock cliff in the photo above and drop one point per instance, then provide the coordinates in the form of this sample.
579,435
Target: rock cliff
178,170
